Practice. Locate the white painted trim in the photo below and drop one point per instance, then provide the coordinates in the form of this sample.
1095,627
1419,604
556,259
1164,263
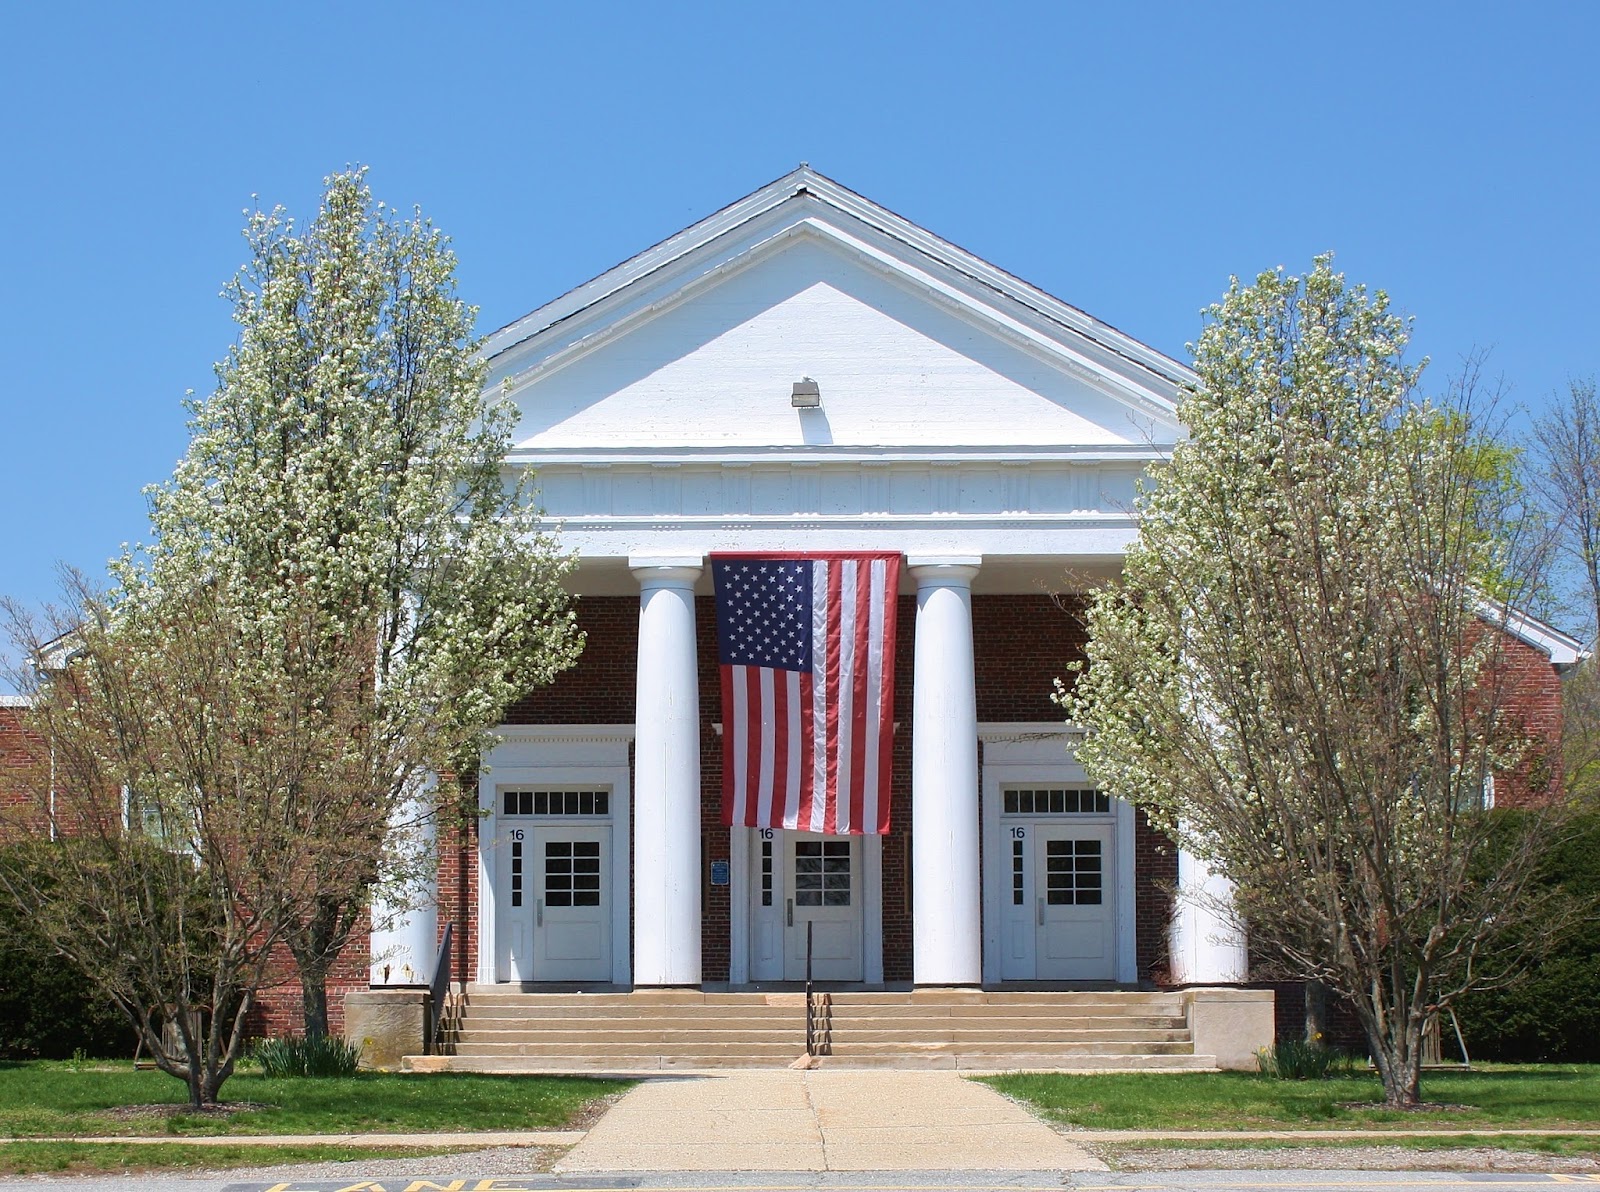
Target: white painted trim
1073,353
16,701
1563,651
608,767
742,893
739,896
1040,751
1127,917
814,196
1027,730
811,453
578,733
872,910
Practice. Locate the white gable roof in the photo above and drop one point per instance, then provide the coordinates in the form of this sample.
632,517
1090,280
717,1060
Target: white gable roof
962,410
694,343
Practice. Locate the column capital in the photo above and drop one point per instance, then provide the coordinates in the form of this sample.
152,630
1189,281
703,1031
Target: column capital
956,571
666,571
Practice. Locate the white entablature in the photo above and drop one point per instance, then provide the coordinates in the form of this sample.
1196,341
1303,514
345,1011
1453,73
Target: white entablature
960,407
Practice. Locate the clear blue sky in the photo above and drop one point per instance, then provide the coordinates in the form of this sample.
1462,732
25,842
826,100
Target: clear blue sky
1125,157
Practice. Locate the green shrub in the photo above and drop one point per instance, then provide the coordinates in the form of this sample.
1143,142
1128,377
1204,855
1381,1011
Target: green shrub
326,1056
1297,1059
1549,1014
48,1009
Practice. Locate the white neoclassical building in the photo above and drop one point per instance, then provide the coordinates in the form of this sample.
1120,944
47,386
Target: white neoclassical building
805,371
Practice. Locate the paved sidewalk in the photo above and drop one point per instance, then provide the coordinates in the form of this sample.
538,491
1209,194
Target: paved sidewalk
821,1121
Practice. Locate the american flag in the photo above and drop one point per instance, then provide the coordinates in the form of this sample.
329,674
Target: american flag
806,645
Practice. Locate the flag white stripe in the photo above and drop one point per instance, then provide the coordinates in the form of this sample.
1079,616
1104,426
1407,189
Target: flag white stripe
819,694
769,730
871,778
791,791
847,689
741,739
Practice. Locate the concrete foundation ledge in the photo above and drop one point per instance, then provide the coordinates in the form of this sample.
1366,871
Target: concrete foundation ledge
387,1024
1229,1023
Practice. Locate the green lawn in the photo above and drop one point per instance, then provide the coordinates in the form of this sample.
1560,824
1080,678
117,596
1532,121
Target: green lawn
1542,1144
30,1158
69,1098
1529,1096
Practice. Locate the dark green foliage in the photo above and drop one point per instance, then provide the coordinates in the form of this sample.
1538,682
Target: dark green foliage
323,1055
1297,1059
48,1010
1552,1012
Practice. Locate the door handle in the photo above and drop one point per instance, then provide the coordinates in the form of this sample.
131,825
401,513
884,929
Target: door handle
790,904
538,912
1041,912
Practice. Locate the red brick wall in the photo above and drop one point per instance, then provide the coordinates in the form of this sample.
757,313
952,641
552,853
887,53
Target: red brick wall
1531,689
1022,643
1155,877
20,808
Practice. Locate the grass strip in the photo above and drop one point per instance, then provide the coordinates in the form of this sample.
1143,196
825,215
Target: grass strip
1544,1144
70,1158
1528,1096
50,1099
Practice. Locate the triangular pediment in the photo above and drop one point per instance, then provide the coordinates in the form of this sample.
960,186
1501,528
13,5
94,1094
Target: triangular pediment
695,344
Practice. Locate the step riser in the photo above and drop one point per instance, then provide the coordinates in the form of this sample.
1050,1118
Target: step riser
839,1037
501,1030
971,1063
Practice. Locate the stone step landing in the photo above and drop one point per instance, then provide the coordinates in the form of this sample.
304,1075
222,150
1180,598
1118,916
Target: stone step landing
501,1030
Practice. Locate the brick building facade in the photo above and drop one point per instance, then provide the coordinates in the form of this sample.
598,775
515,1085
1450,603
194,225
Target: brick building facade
806,372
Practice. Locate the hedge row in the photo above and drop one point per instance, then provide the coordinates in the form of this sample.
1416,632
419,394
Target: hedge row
47,1008
1552,1013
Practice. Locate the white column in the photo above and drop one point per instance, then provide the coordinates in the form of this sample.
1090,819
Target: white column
405,914
666,758
944,778
1206,940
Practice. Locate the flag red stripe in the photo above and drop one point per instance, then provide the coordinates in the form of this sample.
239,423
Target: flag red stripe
752,751
830,816
733,811
805,792
781,777
860,708
891,610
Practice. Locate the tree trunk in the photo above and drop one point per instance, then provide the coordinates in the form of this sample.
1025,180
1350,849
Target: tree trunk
314,999
1398,1056
1316,1016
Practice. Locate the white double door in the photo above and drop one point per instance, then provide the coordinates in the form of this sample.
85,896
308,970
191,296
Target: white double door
554,902
807,894
1060,918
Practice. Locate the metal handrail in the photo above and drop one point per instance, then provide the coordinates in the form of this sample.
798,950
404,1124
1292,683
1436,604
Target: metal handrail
811,1013
439,990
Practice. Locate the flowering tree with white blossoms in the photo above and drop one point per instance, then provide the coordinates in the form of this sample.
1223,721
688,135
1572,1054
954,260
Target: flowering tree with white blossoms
1297,676
343,497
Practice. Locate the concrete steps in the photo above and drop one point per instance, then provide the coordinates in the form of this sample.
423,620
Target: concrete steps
503,1030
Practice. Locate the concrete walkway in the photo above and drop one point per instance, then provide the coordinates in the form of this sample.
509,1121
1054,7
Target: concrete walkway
821,1121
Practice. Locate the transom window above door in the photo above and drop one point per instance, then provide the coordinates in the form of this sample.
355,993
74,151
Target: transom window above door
549,802
1057,800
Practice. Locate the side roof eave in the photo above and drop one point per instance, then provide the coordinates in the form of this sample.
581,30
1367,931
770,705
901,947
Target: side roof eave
1565,652
807,182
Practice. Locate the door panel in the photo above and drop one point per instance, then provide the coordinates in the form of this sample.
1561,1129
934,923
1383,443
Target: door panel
1073,903
823,890
573,941
514,905
554,906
